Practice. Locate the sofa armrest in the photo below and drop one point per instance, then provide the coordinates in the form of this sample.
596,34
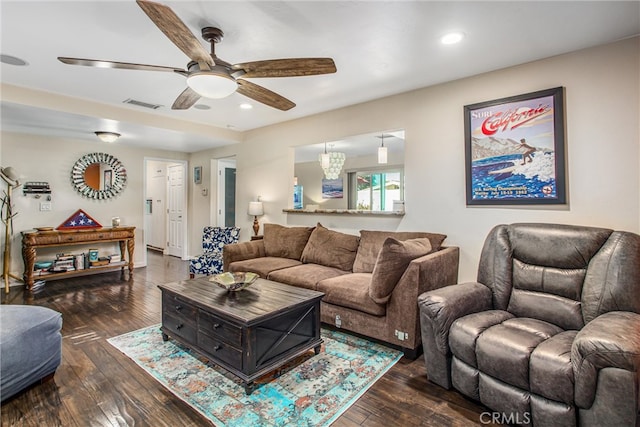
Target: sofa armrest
241,252
431,271
611,340
443,306
439,308
435,270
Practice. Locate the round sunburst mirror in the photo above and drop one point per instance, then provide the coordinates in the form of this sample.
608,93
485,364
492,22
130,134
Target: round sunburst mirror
99,176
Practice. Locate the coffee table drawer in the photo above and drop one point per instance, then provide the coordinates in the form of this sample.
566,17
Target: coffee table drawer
179,328
216,327
179,308
221,351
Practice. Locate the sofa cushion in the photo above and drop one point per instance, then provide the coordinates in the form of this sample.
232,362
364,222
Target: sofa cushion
551,371
351,291
371,243
504,351
464,333
305,275
331,248
263,265
392,261
285,242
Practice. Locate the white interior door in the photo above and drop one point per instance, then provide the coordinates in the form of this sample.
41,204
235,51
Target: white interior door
176,210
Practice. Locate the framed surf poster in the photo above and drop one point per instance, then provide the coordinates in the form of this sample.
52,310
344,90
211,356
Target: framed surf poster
515,150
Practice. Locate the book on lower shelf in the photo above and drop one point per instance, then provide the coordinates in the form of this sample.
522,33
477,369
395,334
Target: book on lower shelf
105,263
80,262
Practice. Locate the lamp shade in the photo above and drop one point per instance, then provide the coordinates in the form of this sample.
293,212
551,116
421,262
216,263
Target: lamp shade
210,84
256,209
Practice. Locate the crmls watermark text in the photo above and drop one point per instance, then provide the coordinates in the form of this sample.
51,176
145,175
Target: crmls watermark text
512,418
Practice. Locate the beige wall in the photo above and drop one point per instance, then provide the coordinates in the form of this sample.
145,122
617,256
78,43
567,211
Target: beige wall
603,152
602,138
38,158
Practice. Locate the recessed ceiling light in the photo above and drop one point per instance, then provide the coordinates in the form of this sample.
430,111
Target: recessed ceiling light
452,38
246,106
12,60
202,107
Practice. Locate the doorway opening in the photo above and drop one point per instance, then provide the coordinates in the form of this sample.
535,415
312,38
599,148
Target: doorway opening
223,209
165,206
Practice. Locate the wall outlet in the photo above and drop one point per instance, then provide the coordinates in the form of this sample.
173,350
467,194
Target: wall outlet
338,321
402,335
45,206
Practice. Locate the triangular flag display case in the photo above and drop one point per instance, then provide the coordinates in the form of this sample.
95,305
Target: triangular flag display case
79,220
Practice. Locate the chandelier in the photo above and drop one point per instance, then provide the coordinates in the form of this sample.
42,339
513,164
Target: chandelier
331,163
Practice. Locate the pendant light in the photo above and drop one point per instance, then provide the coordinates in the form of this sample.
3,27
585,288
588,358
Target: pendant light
331,163
382,151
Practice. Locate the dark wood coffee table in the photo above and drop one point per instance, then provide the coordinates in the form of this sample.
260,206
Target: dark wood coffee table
250,332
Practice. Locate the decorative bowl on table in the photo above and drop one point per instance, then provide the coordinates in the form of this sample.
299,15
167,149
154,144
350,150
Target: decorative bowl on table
234,282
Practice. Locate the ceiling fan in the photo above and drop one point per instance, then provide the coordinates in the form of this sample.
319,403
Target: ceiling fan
209,76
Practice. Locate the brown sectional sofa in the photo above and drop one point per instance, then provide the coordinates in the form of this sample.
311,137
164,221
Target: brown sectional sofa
371,282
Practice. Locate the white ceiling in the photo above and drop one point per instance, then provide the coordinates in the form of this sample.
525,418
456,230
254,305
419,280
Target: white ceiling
380,48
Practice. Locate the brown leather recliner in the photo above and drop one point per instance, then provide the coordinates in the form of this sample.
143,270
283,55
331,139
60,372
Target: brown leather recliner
549,335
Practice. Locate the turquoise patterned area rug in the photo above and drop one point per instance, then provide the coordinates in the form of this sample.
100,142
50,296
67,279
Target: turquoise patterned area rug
313,391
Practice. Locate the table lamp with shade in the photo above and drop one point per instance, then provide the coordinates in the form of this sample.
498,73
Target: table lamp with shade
256,209
10,176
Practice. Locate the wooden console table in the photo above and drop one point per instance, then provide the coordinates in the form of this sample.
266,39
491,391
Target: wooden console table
31,240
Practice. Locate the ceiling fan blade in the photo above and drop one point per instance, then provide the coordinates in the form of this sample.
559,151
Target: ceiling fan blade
287,67
185,100
176,30
263,95
99,63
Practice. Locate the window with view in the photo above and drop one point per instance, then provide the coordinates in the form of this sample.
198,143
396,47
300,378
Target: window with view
375,190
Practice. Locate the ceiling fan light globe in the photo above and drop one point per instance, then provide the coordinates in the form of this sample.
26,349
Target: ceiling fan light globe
212,85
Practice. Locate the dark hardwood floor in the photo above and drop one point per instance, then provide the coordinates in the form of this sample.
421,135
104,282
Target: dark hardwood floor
96,385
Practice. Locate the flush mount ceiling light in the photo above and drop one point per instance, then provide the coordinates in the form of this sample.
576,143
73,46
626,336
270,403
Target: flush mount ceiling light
246,106
212,84
108,136
452,38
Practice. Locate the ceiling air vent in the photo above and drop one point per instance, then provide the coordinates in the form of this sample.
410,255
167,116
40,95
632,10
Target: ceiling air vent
141,104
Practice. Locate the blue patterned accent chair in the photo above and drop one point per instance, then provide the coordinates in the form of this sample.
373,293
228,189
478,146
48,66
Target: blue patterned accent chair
213,241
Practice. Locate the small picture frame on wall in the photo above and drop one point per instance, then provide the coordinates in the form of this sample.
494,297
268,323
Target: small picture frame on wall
515,150
197,175
332,188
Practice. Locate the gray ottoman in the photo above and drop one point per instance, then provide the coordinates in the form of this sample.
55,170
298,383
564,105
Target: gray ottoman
30,346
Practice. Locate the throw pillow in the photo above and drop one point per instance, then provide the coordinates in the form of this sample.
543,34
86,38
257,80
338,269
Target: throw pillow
393,260
285,242
331,248
371,243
